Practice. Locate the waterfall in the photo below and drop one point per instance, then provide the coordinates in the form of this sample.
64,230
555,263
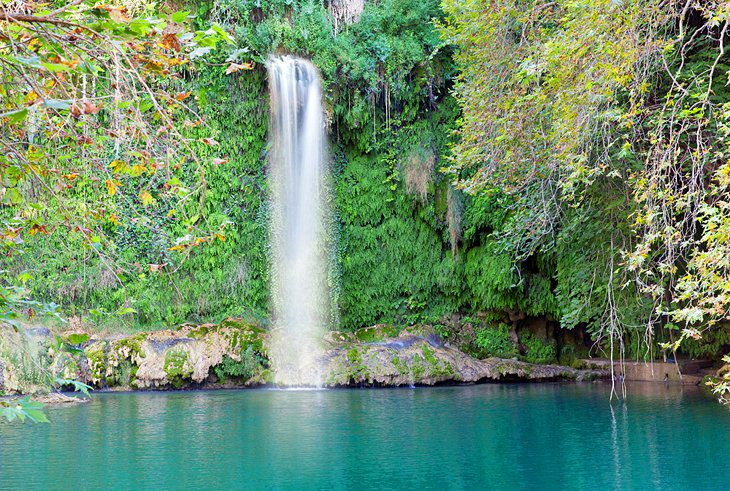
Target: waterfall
299,220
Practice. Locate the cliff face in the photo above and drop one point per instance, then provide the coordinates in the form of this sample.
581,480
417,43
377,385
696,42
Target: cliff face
235,354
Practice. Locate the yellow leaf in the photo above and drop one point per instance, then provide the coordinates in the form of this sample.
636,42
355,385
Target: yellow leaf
146,198
117,166
137,170
111,187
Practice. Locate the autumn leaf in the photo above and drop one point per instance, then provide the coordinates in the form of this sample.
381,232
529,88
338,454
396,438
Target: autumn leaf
218,161
118,166
146,198
170,41
137,170
192,124
210,142
119,15
38,229
90,108
111,187
237,67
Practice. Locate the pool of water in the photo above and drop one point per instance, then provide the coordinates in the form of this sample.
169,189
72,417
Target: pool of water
561,436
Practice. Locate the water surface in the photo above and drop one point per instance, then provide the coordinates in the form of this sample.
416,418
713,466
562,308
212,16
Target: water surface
550,436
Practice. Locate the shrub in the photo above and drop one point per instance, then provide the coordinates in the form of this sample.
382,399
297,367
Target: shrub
537,350
495,341
244,369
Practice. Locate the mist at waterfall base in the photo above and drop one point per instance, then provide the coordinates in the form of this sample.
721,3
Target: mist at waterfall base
298,221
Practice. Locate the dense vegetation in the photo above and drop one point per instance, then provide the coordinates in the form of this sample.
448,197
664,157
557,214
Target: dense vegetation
493,163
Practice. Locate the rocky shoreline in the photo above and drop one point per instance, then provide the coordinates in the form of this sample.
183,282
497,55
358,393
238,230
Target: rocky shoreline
234,353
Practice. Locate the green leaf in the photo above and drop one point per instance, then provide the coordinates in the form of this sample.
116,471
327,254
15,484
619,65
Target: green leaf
140,26
223,34
12,196
78,338
180,16
16,116
78,386
56,67
23,408
36,415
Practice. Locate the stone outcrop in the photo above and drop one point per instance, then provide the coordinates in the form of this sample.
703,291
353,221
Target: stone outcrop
378,356
178,358
235,354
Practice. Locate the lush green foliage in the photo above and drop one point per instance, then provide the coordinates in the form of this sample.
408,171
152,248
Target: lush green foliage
94,162
495,341
584,170
537,350
610,142
244,369
23,408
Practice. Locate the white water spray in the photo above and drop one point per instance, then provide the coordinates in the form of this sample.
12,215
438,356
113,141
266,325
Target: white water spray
299,220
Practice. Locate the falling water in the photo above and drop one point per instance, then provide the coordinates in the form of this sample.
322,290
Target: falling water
299,220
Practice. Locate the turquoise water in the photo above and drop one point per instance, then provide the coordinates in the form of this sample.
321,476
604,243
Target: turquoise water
489,436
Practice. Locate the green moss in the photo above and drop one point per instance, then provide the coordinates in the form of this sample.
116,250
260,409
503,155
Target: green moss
428,355
242,336
495,341
418,369
96,356
177,368
436,367
238,323
354,356
123,375
376,333
399,364
357,368
133,343
200,331
243,369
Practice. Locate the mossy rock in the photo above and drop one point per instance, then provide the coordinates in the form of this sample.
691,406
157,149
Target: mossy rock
130,347
96,356
376,333
177,368
123,375
200,331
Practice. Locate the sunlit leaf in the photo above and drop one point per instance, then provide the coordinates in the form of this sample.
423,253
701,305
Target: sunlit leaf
180,16
15,117
146,198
